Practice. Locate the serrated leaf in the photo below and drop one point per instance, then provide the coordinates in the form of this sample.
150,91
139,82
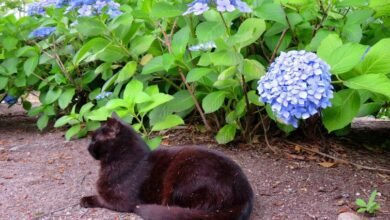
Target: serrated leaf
345,106
226,58
66,97
226,134
210,30
30,64
169,121
63,121
376,83
126,72
197,73
213,101
52,95
132,89
72,131
141,44
180,41
345,57
42,122
165,10
377,60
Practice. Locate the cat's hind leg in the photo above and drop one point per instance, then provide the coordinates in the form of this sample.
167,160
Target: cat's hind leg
90,202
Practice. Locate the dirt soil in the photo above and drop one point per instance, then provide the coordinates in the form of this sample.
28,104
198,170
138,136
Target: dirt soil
43,176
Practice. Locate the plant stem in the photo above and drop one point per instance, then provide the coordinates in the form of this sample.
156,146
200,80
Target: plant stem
278,45
224,22
168,43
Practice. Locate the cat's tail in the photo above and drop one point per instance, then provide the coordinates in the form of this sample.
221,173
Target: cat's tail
159,212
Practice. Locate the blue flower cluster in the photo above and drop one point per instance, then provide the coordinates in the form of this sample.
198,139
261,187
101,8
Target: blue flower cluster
42,32
103,95
297,85
197,7
10,100
204,46
83,7
38,8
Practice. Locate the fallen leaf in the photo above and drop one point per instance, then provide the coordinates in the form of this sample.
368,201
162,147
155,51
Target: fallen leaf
327,164
297,148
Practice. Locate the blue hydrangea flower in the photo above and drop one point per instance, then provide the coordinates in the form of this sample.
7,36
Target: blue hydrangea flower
10,100
197,7
297,85
203,46
35,8
103,95
42,32
83,7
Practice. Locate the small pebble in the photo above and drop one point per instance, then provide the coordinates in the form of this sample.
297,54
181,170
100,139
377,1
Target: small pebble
14,149
348,216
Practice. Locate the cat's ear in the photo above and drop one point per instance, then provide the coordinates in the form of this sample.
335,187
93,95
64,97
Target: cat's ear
114,123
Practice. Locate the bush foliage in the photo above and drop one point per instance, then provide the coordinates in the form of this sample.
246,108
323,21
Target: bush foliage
155,67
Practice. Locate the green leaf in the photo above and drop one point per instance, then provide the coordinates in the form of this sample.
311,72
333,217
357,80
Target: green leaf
169,121
227,73
155,65
376,83
180,41
361,203
181,101
111,53
27,51
66,97
141,44
210,30
63,121
42,122
72,131
371,200
52,95
345,106
272,12
3,82
328,45
213,101
158,99
95,44
153,143
344,58
9,43
382,7
377,59
226,134
85,109
165,10
132,89
90,26
252,70
249,31
197,73
226,58
30,64
126,72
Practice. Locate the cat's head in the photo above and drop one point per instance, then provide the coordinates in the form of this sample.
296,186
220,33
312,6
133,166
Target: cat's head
114,137
104,138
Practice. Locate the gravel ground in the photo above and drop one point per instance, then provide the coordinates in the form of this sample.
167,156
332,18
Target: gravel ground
42,176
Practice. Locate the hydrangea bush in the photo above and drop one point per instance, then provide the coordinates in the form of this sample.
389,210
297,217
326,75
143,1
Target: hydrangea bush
228,63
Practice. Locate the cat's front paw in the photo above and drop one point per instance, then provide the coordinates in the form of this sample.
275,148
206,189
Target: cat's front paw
89,202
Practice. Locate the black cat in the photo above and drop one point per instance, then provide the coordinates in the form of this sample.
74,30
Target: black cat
179,183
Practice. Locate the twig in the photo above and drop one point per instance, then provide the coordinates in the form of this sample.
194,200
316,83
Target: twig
340,160
325,11
264,53
167,42
245,91
278,45
266,136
